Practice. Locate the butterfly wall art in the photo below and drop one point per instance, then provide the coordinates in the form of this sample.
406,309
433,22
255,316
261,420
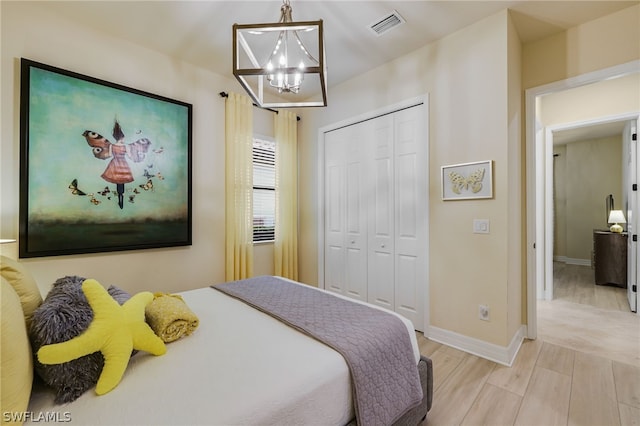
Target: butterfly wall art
467,181
104,167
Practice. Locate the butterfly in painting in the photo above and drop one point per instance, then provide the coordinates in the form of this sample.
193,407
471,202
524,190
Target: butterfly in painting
473,181
147,186
73,186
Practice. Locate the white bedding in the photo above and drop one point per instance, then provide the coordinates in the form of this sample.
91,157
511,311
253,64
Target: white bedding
240,366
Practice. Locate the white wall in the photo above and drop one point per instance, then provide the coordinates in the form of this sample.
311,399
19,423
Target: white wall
606,98
29,32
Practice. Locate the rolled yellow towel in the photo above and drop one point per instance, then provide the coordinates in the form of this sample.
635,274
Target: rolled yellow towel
170,318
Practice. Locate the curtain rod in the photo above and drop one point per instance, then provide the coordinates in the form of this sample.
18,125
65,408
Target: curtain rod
226,95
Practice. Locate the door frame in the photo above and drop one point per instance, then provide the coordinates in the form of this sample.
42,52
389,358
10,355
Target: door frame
389,109
536,178
546,288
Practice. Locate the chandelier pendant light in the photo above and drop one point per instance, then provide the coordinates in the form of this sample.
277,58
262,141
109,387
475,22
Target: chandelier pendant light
281,64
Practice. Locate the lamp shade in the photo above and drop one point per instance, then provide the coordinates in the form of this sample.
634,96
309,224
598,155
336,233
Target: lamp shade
616,216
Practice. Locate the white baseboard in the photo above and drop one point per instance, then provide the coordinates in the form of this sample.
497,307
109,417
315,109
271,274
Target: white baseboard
499,354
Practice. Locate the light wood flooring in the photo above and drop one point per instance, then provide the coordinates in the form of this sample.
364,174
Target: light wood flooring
547,385
583,369
576,283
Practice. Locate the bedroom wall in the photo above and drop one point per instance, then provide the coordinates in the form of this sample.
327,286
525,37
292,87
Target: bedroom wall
606,98
604,42
472,118
516,261
460,126
27,32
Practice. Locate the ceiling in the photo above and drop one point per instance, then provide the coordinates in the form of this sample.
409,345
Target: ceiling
588,132
199,32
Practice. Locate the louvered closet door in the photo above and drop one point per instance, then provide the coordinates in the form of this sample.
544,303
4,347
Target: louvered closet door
411,192
345,215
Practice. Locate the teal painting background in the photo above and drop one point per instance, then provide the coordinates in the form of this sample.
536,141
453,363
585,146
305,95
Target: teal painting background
60,109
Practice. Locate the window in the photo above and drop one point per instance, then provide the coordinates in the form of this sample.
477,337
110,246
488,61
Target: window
264,189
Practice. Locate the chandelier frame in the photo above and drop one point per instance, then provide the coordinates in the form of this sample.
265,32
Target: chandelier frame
258,91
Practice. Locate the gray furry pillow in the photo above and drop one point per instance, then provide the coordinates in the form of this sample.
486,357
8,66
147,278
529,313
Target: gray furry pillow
64,314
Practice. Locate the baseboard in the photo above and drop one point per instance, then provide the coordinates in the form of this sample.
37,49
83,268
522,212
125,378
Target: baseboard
504,355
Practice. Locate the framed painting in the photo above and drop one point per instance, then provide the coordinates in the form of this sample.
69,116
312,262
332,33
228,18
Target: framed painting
103,167
467,181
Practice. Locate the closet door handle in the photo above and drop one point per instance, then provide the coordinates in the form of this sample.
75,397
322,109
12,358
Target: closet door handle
382,245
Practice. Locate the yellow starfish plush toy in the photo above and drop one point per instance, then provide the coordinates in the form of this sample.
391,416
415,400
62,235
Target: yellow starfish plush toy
115,331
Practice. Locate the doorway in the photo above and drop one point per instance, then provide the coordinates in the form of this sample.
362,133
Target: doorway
539,178
591,168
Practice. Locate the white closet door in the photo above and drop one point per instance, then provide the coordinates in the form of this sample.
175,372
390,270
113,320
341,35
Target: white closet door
381,212
376,193
411,194
345,214
334,207
355,214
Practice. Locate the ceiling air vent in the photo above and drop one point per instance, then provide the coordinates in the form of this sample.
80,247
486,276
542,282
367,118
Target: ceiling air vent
384,24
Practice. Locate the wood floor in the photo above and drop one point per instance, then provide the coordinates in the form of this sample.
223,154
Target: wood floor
583,369
576,283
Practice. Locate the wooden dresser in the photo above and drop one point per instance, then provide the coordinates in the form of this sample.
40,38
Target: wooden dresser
610,257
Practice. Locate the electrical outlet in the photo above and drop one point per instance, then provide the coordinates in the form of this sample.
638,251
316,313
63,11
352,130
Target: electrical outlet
483,312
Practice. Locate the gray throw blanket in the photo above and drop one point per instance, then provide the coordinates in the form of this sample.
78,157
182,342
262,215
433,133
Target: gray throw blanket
375,344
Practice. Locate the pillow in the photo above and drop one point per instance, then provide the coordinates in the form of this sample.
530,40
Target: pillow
65,314
24,285
16,364
115,331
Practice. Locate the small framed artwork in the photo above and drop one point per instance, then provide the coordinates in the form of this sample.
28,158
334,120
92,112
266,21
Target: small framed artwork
103,167
467,181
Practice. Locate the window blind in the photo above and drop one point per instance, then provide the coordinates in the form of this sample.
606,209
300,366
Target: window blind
264,190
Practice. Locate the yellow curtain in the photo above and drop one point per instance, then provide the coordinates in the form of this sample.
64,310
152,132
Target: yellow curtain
286,240
239,187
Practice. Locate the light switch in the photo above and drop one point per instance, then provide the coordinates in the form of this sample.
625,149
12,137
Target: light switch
480,226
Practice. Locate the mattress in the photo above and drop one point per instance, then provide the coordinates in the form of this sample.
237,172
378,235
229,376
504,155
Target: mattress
239,367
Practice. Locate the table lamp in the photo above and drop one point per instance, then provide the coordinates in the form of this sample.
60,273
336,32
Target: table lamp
616,217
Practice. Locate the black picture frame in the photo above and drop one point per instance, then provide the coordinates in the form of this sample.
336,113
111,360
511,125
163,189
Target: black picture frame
81,192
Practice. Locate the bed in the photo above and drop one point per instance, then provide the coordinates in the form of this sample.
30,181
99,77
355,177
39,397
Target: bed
241,366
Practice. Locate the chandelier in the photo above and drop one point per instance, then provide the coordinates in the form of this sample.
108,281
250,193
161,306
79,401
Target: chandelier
281,64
